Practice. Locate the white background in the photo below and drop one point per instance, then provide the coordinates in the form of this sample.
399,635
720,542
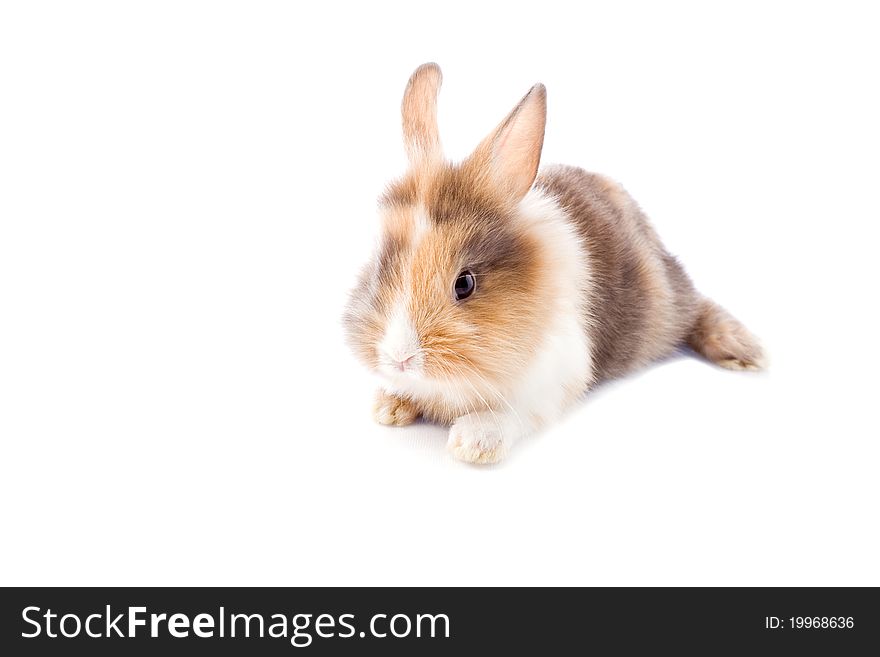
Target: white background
188,189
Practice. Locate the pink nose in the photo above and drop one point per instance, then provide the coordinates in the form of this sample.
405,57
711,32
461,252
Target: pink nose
402,365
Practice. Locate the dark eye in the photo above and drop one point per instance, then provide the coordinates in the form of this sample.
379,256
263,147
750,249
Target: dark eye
464,285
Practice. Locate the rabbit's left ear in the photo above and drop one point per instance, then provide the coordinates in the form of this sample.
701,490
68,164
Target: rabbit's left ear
419,109
512,152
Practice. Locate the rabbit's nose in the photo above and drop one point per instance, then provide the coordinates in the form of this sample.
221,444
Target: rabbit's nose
402,363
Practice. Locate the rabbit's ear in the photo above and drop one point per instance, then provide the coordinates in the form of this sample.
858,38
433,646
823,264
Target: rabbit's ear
419,109
512,151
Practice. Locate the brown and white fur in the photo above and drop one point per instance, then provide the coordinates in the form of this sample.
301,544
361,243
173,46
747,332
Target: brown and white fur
573,286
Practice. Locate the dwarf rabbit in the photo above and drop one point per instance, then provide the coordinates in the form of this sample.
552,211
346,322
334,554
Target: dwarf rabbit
500,294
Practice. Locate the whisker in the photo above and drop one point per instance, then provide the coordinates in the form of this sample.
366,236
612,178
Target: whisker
494,390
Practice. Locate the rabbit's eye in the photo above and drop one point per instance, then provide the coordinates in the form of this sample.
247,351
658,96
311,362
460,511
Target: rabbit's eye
464,285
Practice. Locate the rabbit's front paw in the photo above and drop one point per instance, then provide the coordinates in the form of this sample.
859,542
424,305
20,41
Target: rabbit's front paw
394,410
477,438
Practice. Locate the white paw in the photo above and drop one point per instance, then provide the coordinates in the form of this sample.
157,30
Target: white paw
477,438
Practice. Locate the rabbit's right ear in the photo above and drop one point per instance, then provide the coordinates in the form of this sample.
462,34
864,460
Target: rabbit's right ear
419,109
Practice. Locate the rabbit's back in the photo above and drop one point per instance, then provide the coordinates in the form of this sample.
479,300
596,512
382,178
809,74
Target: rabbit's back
641,303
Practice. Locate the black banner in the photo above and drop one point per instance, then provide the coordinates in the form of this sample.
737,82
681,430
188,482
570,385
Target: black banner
423,621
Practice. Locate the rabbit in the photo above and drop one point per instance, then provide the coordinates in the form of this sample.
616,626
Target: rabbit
499,294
